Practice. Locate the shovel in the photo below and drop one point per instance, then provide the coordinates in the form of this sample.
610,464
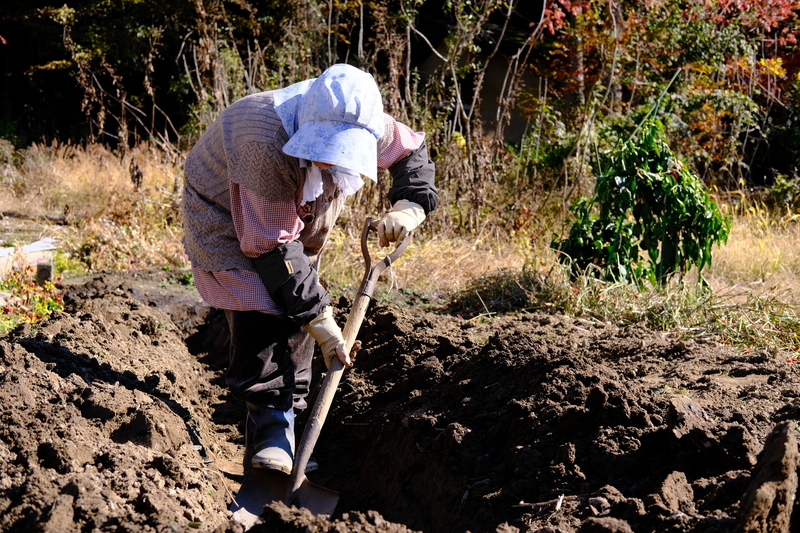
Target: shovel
261,487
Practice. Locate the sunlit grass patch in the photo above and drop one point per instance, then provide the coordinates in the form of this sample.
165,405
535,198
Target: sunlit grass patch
762,250
430,263
86,182
104,244
118,212
766,320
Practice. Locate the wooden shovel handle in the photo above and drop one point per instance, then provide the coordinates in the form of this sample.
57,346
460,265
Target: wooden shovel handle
331,382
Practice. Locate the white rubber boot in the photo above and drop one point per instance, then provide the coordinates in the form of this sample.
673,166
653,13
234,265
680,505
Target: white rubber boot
272,438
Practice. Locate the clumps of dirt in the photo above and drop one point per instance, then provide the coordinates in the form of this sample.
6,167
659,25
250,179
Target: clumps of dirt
106,421
461,425
278,517
115,418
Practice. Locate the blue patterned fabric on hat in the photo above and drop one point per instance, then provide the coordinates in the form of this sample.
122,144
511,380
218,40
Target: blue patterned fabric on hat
335,119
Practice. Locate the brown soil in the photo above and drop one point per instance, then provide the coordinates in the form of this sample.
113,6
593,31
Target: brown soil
114,417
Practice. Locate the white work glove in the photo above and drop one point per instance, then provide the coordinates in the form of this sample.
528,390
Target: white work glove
328,335
401,219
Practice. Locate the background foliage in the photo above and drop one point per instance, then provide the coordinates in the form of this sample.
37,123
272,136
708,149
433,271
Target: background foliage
528,107
521,101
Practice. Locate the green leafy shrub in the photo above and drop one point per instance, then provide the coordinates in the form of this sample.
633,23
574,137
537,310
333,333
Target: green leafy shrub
650,216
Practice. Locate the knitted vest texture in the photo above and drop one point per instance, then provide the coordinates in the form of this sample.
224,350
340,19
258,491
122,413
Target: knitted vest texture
244,145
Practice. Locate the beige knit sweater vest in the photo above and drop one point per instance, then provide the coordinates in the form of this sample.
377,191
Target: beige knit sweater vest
244,146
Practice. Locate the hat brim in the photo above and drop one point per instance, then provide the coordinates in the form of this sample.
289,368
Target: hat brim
336,143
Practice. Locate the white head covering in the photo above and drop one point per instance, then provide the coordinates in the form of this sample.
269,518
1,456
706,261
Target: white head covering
335,119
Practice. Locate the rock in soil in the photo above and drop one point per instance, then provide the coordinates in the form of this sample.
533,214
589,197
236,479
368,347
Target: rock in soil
766,507
114,417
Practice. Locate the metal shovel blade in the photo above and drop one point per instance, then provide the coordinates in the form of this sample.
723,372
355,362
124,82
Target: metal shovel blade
262,487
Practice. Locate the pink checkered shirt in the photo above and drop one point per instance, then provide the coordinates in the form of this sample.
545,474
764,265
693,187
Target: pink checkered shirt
262,224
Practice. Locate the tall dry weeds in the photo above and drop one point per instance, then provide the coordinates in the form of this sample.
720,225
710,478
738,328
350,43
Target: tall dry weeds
114,211
761,252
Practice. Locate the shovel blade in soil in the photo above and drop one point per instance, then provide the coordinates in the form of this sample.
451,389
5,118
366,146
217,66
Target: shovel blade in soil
259,488
262,487
316,499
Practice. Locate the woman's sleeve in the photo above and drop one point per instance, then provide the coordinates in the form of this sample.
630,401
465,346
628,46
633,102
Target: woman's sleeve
267,232
413,172
262,224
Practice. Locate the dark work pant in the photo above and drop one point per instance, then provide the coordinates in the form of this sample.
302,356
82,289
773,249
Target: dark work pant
270,360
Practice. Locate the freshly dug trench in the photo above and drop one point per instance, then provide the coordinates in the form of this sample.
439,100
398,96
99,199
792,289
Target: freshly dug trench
446,425
115,417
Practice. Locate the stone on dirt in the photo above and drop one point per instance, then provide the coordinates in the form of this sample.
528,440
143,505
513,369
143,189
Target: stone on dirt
767,505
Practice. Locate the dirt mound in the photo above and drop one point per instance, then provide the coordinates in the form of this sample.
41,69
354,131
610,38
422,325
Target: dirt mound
106,421
115,418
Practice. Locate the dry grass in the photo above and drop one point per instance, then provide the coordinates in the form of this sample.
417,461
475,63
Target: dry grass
761,253
83,183
430,263
117,211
